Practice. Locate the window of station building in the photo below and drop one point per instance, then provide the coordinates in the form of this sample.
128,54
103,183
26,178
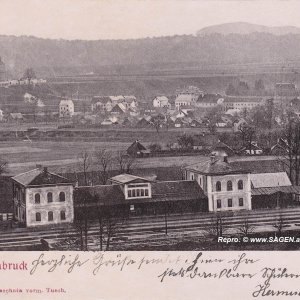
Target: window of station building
62,215
192,177
136,190
240,184
229,185
38,217
50,215
218,186
229,202
241,202
37,198
219,204
138,193
62,197
50,197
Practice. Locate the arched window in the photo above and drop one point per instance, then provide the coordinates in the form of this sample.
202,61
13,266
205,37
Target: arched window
37,198
229,185
62,197
50,197
62,215
38,217
218,186
50,215
240,184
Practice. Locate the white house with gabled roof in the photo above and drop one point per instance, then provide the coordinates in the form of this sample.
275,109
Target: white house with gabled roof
42,198
66,108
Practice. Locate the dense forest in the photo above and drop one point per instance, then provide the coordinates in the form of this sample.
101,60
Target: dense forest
63,57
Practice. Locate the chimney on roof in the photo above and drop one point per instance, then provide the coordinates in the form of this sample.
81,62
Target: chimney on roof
45,169
212,158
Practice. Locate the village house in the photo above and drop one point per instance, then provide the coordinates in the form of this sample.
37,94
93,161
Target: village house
190,90
285,89
280,148
130,102
204,141
161,101
66,108
42,198
184,100
242,102
101,103
136,149
251,149
209,100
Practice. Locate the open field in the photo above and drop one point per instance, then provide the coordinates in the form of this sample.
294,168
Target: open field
62,156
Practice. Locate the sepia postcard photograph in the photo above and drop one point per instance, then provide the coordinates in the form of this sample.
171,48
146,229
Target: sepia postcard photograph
149,144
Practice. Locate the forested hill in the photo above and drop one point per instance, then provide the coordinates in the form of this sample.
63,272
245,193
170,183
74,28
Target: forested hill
63,57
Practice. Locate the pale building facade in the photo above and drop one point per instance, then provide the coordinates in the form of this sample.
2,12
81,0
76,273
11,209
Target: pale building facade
161,101
42,198
66,108
226,187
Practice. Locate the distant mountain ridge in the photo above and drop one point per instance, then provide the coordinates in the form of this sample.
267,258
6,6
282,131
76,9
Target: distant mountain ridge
148,55
247,28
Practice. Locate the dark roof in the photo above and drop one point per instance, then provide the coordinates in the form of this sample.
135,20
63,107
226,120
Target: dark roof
243,99
143,123
253,147
117,109
217,166
207,140
209,98
285,85
40,177
101,194
260,166
135,147
161,191
177,190
272,190
102,99
222,146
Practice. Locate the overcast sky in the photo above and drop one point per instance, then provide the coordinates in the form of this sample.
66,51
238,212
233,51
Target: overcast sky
116,19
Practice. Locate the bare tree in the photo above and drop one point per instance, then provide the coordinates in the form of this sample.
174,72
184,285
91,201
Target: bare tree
215,228
114,219
291,158
245,229
82,217
104,160
125,162
85,162
158,122
279,224
248,134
